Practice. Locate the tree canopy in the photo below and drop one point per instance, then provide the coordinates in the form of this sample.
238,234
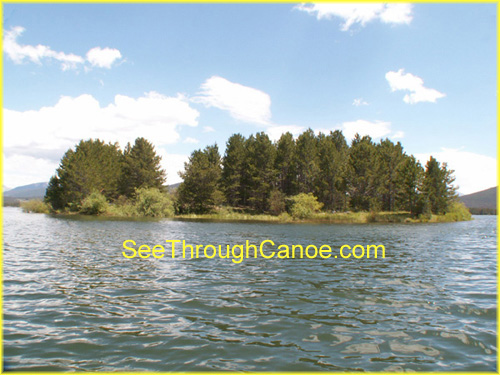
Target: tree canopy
98,167
259,175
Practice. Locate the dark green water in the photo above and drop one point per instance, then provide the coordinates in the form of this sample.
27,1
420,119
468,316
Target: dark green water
73,302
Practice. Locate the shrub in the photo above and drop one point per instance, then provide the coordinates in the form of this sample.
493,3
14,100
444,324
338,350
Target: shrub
94,204
36,206
276,202
457,212
305,205
153,203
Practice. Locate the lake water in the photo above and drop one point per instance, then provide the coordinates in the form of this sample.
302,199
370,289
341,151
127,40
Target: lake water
73,302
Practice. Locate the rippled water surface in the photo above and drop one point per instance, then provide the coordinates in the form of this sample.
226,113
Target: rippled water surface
73,302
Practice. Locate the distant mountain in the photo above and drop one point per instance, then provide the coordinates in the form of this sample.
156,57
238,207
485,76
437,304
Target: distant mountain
30,191
173,187
482,200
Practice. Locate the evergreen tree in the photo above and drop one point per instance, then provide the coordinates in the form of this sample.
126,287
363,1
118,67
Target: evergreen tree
325,183
341,166
92,166
437,186
362,166
200,190
306,161
389,156
285,164
409,179
262,176
141,168
233,170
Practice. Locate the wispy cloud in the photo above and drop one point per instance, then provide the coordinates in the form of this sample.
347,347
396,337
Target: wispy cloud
415,85
191,140
359,102
375,129
19,53
360,13
242,102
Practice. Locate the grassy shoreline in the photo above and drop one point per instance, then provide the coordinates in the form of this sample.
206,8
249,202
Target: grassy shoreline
326,218
228,215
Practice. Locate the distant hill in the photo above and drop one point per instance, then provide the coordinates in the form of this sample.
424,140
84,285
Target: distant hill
173,187
484,201
30,191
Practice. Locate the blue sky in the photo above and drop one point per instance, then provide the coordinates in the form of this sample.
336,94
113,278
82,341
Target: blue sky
188,75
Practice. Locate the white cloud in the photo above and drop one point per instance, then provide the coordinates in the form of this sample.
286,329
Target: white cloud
242,102
21,170
191,140
360,13
358,102
274,132
377,129
473,172
103,57
408,82
45,134
208,129
18,53
172,164
397,135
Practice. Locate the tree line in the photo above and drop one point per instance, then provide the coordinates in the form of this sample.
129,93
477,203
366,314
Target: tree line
261,176
101,170
255,175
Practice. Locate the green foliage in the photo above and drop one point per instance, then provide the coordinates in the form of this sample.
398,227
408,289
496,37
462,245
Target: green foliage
261,155
409,179
307,161
258,176
151,202
141,168
92,166
437,186
457,212
233,170
285,164
389,157
276,202
96,166
305,205
35,206
200,190
94,204
361,174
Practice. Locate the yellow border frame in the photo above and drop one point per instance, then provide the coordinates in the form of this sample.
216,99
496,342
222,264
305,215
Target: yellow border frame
223,2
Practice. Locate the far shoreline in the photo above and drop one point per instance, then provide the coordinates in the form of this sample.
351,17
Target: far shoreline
361,217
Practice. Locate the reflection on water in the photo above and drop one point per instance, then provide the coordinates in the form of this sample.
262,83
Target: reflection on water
73,302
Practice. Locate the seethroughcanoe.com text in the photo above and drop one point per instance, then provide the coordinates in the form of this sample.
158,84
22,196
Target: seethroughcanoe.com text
266,249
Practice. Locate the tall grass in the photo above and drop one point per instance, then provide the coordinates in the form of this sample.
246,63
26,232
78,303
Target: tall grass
36,206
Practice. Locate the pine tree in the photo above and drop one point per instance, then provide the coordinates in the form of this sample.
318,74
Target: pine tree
262,176
389,156
92,166
362,166
285,164
233,170
306,161
200,190
437,186
141,168
409,179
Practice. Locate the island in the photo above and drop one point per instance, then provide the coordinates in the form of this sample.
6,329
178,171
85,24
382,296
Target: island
311,178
